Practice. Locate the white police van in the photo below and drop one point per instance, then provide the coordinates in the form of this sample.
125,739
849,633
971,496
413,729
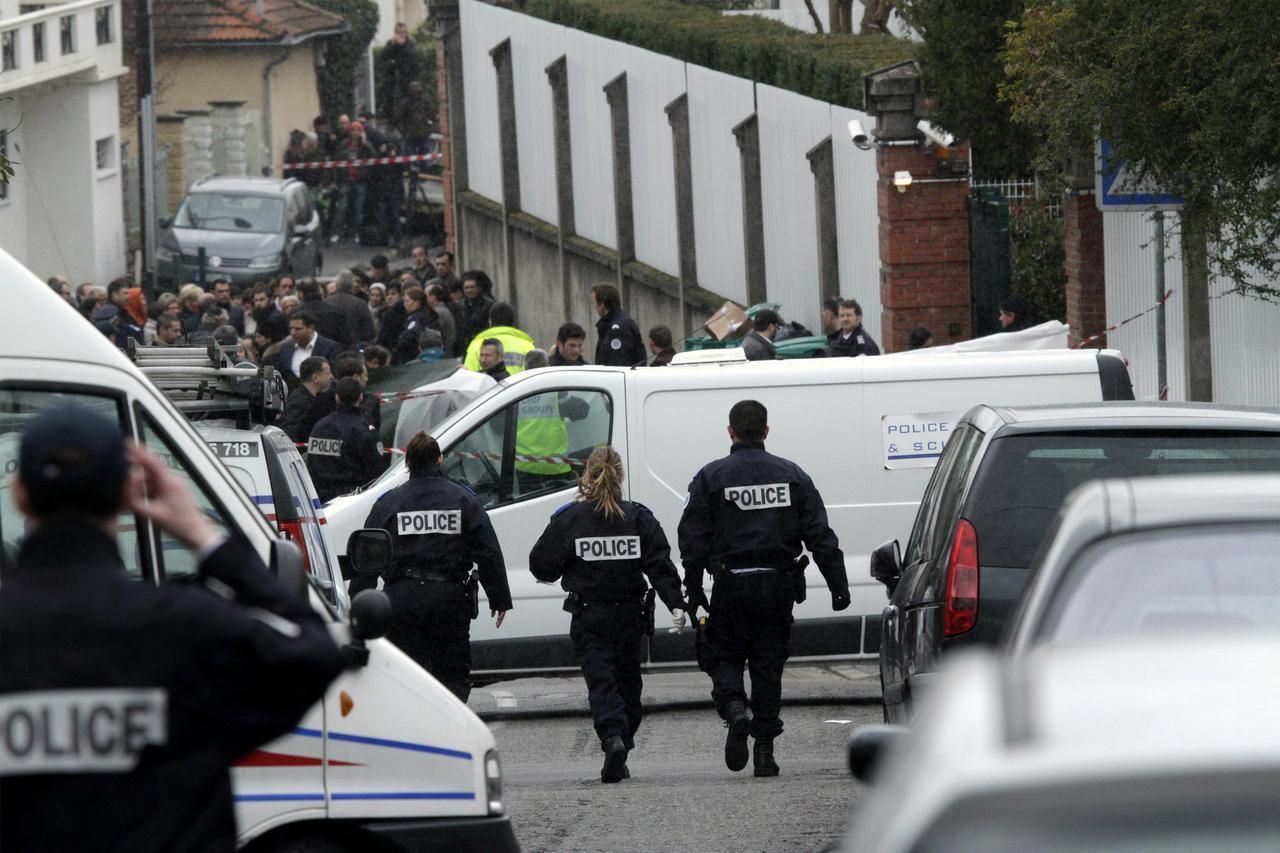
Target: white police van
389,759
867,430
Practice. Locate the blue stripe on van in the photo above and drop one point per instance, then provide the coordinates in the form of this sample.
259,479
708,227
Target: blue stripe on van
390,744
409,795
263,499
278,798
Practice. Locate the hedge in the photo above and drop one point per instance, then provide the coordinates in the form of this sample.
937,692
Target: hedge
826,67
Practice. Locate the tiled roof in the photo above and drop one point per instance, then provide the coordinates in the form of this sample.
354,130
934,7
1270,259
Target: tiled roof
212,22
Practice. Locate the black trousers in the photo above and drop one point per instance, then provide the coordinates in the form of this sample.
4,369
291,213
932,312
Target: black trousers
431,623
607,640
749,626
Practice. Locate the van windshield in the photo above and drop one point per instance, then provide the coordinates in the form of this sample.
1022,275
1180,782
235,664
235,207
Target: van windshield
1025,478
255,214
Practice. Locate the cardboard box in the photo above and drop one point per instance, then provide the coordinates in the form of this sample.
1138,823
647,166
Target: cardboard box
727,320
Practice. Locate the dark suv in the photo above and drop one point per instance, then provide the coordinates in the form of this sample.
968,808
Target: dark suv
995,493
249,228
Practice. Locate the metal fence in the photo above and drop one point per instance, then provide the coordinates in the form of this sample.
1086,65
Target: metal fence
1022,189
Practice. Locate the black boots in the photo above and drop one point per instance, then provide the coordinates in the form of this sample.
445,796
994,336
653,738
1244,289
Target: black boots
762,753
615,760
735,743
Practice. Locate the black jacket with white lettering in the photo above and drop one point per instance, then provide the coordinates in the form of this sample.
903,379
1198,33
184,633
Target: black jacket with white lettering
343,453
448,553
72,620
764,534
607,559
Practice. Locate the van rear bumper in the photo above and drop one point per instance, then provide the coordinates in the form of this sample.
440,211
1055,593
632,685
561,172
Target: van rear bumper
460,834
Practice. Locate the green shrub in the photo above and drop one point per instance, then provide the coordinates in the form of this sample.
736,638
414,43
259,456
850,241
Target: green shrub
336,79
1037,237
826,67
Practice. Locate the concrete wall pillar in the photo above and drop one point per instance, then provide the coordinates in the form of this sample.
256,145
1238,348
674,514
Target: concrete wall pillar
1086,289
558,79
682,160
924,247
198,141
747,134
624,213
822,163
508,152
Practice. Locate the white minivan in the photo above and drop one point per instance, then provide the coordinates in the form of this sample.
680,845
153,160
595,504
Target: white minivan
867,430
389,760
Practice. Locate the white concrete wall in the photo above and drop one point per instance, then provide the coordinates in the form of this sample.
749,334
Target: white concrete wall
483,27
653,81
535,44
106,196
857,218
592,62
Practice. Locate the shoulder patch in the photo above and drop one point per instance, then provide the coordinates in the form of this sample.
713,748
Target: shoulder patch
562,508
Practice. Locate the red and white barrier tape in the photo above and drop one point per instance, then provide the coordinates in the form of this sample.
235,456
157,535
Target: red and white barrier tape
370,161
1137,316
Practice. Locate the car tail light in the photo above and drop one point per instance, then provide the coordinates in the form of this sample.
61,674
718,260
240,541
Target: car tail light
293,530
960,607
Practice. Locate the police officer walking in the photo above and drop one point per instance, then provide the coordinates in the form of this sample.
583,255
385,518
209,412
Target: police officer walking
602,548
745,519
439,530
343,452
123,703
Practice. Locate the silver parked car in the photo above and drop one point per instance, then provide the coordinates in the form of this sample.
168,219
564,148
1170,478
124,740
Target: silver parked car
249,228
1147,555
1139,745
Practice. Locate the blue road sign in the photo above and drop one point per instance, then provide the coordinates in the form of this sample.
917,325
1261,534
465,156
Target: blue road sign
1117,188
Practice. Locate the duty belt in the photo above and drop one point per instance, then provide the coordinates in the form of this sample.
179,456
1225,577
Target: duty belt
429,575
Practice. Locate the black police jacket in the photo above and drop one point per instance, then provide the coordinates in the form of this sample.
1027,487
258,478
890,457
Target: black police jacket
343,453
858,343
619,343
607,559
752,509
303,410
144,694
438,525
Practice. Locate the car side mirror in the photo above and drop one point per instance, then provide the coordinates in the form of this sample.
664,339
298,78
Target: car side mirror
370,551
287,565
868,747
886,564
164,222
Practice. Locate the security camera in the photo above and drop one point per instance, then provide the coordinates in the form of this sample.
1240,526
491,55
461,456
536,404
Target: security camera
859,135
936,135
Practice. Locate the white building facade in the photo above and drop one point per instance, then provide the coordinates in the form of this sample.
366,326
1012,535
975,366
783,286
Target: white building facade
62,211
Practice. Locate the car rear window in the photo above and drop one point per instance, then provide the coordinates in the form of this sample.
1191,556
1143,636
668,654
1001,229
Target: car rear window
1204,577
1024,479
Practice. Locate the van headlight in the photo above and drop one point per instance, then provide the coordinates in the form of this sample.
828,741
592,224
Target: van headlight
264,262
493,782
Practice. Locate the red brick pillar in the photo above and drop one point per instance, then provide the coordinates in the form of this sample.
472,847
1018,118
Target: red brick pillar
1086,282
924,247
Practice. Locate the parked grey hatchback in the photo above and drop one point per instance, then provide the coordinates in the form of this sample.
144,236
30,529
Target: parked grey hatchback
248,229
992,500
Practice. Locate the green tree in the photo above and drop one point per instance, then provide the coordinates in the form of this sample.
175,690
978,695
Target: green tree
336,79
1038,259
1187,93
963,70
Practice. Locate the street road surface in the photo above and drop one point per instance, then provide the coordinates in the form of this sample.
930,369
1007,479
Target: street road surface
680,796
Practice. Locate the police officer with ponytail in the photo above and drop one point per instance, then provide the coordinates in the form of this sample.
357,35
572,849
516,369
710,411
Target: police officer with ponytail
439,530
747,516
601,548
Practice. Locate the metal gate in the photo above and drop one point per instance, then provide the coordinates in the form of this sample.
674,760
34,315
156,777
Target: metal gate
989,258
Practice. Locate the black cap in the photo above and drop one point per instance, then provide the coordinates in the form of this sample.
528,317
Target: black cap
72,460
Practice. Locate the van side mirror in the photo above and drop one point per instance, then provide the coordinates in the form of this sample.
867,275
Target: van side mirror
370,619
164,222
886,564
287,565
868,747
370,551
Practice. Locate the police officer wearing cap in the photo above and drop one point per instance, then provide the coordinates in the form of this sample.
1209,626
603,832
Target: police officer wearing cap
123,703
602,548
343,452
745,520
439,530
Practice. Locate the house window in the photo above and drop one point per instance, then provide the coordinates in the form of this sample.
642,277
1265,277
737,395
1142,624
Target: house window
102,22
4,153
105,153
37,41
67,25
8,50
26,8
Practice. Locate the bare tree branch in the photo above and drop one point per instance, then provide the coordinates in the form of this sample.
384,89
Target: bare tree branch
817,22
